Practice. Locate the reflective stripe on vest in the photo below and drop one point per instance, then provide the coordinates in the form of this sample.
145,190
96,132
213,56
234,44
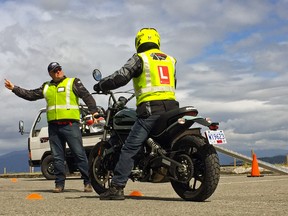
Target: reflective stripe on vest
62,103
162,87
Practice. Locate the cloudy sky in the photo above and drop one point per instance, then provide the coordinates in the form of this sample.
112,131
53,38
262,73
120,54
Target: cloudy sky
231,58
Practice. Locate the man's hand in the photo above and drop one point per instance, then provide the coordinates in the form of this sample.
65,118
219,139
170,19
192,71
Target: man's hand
9,85
95,117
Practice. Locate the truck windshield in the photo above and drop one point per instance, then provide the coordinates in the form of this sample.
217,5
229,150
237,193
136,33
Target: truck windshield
40,123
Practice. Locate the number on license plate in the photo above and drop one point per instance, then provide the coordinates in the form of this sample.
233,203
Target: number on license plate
216,137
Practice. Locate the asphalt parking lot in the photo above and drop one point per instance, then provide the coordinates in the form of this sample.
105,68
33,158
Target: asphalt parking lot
235,195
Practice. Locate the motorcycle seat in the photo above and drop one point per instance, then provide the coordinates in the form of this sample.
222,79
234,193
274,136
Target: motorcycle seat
172,116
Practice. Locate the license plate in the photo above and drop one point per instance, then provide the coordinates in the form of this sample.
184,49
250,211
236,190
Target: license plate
216,137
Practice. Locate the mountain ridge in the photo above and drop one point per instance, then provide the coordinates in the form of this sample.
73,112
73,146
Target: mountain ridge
17,161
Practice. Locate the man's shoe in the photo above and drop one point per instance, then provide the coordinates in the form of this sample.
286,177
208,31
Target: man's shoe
88,188
58,189
113,193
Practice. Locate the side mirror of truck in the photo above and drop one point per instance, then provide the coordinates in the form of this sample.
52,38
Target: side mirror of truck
21,127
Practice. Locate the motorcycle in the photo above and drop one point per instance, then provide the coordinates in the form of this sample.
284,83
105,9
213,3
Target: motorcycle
174,151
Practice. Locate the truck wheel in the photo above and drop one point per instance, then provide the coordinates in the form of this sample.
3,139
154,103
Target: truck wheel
47,168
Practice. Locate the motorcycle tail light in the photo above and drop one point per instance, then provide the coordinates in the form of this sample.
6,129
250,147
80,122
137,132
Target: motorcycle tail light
214,126
192,113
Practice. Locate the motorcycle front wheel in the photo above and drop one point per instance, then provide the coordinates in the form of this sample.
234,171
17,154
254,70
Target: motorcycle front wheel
99,172
205,169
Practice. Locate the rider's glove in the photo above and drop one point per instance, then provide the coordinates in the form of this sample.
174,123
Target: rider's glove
97,87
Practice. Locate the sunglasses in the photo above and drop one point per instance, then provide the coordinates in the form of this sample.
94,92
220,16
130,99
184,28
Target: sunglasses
56,70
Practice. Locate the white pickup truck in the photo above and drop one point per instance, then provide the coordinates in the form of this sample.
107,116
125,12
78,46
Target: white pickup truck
39,148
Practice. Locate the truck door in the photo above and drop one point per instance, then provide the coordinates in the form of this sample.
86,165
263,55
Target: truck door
39,142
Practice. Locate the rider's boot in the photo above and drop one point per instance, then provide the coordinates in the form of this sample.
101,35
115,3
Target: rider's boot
115,192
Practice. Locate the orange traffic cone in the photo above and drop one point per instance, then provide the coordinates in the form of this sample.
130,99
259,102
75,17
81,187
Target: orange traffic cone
14,180
136,193
34,196
255,168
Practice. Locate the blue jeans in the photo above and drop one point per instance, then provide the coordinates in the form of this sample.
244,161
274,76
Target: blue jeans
133,144
58,136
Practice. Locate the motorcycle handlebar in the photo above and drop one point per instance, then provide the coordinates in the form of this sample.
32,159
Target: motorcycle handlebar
121,102
102,92
101,115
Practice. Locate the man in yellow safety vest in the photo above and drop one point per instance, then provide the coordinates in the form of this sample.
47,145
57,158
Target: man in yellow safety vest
62,95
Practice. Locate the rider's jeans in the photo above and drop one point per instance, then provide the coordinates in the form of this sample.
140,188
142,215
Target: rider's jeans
58,136
133,144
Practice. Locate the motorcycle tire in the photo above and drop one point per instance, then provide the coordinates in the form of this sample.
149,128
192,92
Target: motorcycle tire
99,174
205,168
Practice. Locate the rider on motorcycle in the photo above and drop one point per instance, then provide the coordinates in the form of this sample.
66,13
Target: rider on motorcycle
154,79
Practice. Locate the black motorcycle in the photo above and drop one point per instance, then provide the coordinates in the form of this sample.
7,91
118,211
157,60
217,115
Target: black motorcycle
173,152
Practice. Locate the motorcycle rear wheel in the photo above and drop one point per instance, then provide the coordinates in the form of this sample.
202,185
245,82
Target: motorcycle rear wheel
206,170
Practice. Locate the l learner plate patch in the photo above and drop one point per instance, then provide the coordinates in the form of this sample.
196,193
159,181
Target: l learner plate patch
216,137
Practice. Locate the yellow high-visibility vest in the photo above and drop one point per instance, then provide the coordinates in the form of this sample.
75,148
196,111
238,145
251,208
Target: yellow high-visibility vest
157,80
62,103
